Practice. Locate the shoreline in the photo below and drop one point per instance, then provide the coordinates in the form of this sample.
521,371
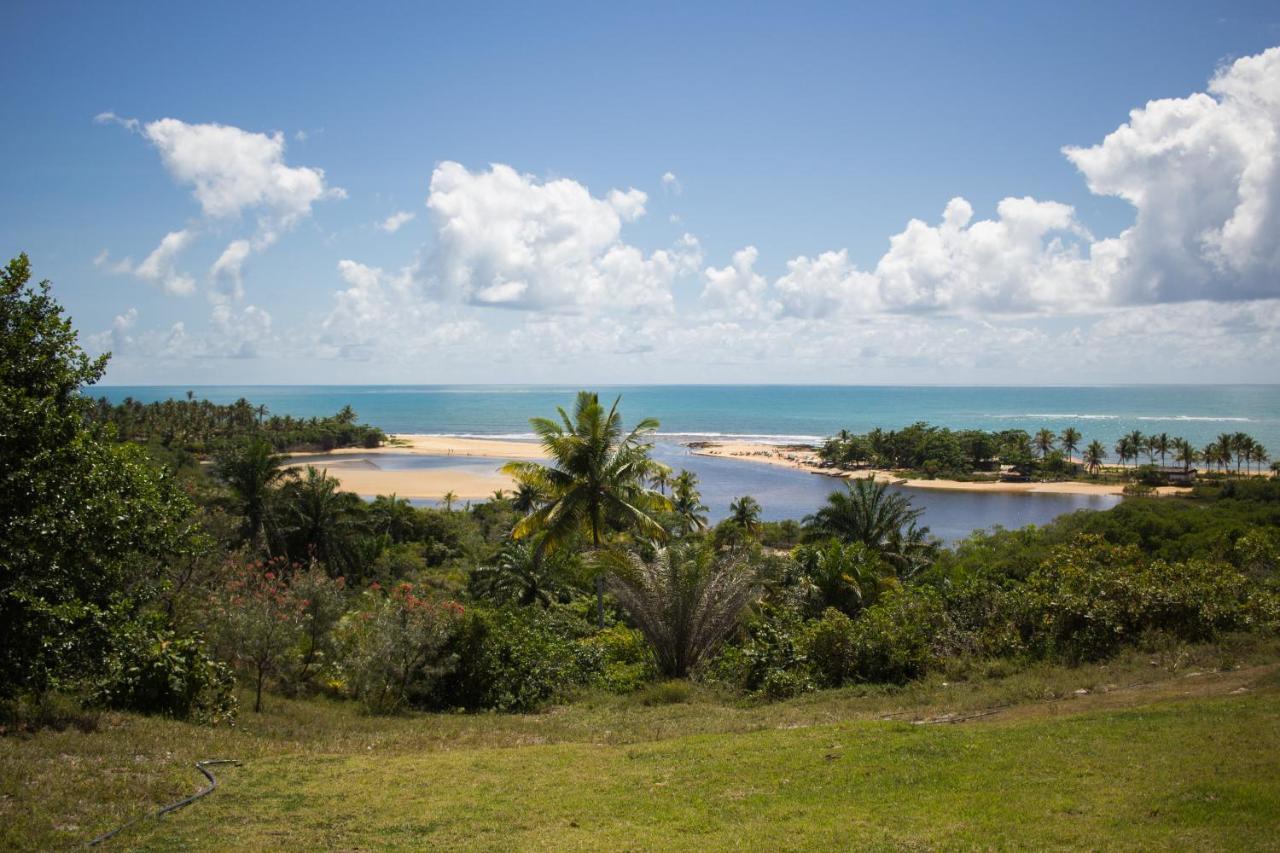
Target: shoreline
469,484
799,458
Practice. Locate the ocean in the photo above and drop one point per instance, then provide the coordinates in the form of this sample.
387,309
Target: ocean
795,413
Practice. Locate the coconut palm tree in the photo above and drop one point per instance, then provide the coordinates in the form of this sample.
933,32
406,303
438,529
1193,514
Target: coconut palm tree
1137,443
595,482
1242,447
1184,452
1161,444
691,513
744,512
527,496
1044,442
885,521
1094,455
1070,439
521,575
1123,448
253,470
320,520
448,499
1258,454
660,476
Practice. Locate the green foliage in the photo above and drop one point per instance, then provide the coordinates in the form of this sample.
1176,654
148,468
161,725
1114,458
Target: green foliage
86,527
902,637
868,512
397,648
830,649
150,669
625,657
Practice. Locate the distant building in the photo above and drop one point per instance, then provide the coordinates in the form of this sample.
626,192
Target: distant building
1176,476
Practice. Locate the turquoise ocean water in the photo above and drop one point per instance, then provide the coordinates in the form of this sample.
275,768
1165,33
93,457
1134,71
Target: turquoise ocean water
793,413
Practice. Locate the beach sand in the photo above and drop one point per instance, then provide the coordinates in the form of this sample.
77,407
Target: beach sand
805,459
365,479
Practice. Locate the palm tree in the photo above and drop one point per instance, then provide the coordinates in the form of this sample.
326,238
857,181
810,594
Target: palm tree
846,577
883,520
393,517
322,521
660,476
519,574
1184,452
252,470
685,601
1094,455
1258,453
1137,442
447,499
1161,444
1044,442
691,513
595,482
744,512
1226,444
1123,448
1242,447
527,496
1212,454
1070,441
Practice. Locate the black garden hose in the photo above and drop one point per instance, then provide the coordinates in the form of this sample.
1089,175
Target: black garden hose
173,807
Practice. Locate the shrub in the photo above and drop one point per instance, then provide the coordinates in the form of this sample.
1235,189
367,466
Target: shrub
1091,597
150,670
901,637
830,649
770,661
516,659
397,648
625,658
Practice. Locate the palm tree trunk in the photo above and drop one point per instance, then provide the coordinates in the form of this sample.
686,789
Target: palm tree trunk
595,545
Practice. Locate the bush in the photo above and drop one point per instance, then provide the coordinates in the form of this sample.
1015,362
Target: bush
1091,597
901,637
516,659
626,660
152,671
398,648
830,649
770,661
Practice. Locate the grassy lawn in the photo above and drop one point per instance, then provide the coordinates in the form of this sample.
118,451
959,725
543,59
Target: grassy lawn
1147,757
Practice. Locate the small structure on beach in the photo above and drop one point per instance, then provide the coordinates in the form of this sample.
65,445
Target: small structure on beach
1177,476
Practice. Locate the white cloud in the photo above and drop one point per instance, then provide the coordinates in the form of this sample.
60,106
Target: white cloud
159,266
1203,173
671,183
393,222
509,240
227,270
736,289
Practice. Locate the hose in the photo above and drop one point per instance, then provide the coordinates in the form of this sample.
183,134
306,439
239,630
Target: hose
172,807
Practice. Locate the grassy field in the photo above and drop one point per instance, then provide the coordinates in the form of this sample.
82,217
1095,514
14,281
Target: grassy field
1157,751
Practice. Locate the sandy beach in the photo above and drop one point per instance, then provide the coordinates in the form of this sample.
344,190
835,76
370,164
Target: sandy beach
805,459
357,469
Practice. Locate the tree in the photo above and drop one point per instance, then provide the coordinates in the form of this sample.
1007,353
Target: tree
527,497
883,520
1070,441
447,499
744,513
847,577
253,470
1242,447
520,575
684,601
1094,455
1124,449
596,480
660,476
87,526
256,619
687,504
1184,452
319,521
1258,453
1044,442
1161,444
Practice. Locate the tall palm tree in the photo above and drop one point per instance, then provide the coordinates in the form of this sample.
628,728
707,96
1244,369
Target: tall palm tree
527,496
1044,442
253,470
660,476
1123,448
885,521
595,482
691,513
1226,443
1184,452
1242,446
447,499
518,574
744,512
1258,453
1137,442
1070,441
1161,444
1094,455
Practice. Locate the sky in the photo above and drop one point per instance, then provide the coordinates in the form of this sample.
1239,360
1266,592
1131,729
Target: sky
705,193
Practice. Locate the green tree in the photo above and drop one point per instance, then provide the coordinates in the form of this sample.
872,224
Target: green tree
521,575
1070,441
1161,444
253,471
595,482
87,526
1044,442
847,577
686,502
1094,455
319,521
744,513
883,520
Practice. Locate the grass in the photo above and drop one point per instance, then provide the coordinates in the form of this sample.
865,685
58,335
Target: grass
1158,751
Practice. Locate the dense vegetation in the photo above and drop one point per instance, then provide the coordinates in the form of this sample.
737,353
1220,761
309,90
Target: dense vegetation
137,577
935,451
199,426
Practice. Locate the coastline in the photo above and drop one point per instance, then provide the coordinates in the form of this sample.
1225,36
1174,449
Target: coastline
804,459
346,465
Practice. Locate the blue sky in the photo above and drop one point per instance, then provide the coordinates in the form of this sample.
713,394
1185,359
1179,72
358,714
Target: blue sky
789,130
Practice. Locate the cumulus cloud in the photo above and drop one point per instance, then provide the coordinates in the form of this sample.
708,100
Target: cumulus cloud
737,288
671,183
231,172
505,239
393,222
